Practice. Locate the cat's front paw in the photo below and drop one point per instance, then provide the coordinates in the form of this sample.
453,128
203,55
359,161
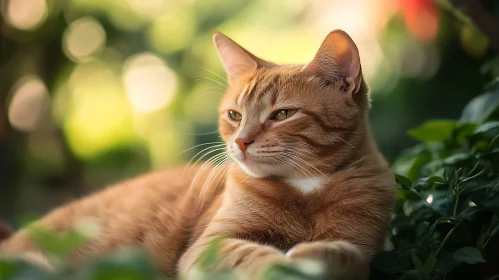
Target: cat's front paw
341,259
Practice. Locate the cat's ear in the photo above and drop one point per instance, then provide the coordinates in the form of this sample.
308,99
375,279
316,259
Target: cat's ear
236,60
338,57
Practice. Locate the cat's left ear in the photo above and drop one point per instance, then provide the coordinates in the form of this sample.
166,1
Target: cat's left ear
236,60
338,57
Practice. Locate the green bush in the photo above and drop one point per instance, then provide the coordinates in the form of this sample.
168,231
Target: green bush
447,217
445,226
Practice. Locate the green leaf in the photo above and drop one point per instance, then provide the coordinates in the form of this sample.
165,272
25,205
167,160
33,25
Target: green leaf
430,264
434,131
463,130
489,128
403,181
481,241
418,263
7,269
457,158
210,256
493,227
125,264
443,220
436,179
410,162
481,107
60,244
469,255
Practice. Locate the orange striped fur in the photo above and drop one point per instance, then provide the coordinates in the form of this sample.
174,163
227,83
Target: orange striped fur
307,184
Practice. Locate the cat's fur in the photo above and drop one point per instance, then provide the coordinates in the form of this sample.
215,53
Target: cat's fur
310,186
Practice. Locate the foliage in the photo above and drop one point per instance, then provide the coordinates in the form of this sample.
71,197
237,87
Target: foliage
447,218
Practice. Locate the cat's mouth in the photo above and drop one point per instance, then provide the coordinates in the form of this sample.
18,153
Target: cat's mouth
257,166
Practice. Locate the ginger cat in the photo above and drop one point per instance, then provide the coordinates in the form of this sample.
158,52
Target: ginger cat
304,180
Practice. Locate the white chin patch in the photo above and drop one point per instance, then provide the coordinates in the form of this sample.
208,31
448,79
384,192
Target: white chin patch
252,172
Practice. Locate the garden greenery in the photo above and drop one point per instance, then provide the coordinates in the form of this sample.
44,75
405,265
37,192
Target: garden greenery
445,225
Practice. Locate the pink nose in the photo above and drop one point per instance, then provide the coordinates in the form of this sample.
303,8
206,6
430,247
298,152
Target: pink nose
243,143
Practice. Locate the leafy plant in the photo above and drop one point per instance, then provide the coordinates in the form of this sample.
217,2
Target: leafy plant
446,223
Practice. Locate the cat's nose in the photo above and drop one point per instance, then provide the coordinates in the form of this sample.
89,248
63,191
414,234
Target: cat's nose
243,143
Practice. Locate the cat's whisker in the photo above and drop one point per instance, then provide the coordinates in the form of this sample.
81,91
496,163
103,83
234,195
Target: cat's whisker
216,172
298,166
203,133
218,161
308,164
308,154
210,92
208,70
206,151
346,142
203,167
209,79
200,145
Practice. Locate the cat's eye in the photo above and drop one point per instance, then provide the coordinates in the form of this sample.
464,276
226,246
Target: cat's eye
235,115
282,114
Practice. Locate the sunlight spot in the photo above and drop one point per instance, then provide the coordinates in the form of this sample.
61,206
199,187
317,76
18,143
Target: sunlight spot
149,83
98,117
25,14
83,38
429,199
29,101
471,204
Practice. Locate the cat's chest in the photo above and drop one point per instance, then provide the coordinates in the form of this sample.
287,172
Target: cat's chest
307,185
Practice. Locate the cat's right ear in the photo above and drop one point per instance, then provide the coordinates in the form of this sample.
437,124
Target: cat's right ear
236,60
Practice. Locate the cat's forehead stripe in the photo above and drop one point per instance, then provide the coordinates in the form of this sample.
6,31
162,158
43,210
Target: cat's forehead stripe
265,84
248,88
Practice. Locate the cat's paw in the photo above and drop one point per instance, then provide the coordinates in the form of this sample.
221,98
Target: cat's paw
341,259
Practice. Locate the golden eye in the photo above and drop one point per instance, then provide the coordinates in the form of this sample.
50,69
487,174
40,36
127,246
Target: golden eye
235,115
283,114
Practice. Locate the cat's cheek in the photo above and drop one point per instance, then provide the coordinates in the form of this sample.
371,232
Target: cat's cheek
227,130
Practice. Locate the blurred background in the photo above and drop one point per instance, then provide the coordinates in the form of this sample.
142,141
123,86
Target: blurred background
95,91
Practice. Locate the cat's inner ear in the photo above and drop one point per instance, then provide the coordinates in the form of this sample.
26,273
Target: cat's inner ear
235,59
338,60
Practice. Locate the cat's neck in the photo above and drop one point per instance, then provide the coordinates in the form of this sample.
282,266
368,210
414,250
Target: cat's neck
368,155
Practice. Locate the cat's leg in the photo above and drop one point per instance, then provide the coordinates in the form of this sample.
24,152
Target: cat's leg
246,258
342,259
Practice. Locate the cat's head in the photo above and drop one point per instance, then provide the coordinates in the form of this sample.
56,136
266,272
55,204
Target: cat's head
293,120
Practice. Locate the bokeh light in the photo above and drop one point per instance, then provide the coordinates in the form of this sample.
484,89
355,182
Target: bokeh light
172,32
149,8
98,117
25,14
83,38
30,100
474,42
421,18
150,84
